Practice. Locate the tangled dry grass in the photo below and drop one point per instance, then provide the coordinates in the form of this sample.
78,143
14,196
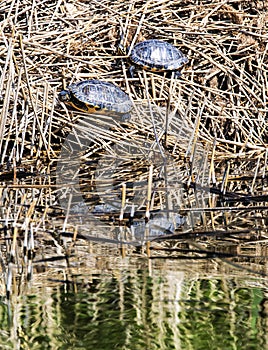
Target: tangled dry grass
210,124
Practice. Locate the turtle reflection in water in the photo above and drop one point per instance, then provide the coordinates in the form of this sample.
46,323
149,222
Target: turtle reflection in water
156,56
160,222
95,96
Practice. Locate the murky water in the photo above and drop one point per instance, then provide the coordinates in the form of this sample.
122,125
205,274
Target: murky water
136,304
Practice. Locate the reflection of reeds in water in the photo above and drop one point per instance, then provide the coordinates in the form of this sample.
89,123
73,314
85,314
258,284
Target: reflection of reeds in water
156,306
204,134
129,305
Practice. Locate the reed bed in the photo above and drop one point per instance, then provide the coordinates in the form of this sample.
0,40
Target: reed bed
195,148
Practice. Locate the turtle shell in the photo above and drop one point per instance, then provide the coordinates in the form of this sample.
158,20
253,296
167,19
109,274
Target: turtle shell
157,55
97,96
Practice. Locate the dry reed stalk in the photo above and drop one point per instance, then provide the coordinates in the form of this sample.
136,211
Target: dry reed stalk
149,192
123,202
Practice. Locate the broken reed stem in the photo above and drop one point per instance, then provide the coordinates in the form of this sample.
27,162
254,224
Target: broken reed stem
123,202
14,244
225,178
30,212
148,250
30,252
149,192
70,198
212,177
255,175
9,280
75,233
122,246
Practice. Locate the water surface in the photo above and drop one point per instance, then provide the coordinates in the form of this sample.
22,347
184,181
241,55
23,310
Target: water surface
137,304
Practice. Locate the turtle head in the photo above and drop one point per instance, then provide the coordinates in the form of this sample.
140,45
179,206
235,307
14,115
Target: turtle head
64,96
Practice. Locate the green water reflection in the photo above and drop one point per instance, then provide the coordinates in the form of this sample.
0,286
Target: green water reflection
138,309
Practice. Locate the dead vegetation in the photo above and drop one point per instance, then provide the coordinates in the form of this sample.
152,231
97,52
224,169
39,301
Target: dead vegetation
195,147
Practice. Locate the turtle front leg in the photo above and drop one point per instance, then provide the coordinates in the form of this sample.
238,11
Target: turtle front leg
174,74
131,70
177,74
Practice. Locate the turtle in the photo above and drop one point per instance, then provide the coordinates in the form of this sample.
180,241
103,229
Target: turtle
156,56
96,96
